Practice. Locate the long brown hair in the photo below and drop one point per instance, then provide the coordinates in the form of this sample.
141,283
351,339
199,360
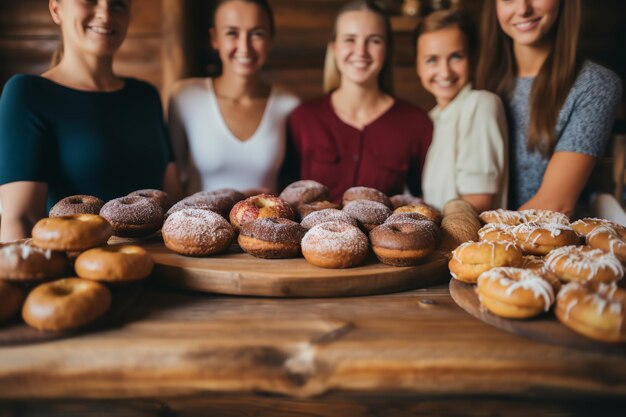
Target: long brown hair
332,78
497,70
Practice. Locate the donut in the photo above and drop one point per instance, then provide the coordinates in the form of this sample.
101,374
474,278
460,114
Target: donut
585,226
223,199
65,304
541,238
400,200
133,216
537,264
596,311
326,215
11,300
510,217
544,216
404,243
471,259
195,203
335,245
532,262
77,232
308,208
119,263
76,204
160,197
584,263
514,293
259,206
271,238
496,232
365,193
367,213
197,232
424,209
304,191
408,217
24,262
610,240
458,206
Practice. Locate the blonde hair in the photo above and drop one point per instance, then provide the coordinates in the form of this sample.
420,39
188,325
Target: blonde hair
332,77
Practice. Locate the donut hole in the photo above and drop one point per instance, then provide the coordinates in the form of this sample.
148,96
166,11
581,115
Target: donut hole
62,289
75,200
261,202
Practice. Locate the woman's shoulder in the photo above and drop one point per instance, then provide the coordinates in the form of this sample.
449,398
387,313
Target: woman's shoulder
312,106
482,101
23,84
187,86
285,97
596,79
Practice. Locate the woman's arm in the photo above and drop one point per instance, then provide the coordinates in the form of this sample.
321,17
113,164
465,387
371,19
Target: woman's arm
480,202
564,179
171,183
23,204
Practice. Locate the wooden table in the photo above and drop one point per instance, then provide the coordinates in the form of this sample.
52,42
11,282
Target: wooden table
413,353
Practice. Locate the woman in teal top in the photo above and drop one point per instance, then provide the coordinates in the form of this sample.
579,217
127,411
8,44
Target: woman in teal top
79,128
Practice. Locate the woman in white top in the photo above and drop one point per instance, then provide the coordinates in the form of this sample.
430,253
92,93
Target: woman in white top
468,155
230,131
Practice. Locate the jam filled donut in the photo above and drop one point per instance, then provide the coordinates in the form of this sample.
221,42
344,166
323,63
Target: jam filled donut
197,232
71,233
160,197
259,206
610,240
335,245
308,208
305,191
496,232
514,293
586,226
595,311
365,193
541,238
119,263
404,243
367,213
271,238
584,263
471,259
76,204
133,216
510,217
65,304
24,262
400,200
424,209
11,300
326,215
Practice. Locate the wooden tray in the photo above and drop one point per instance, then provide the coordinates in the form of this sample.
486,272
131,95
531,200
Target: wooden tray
19,333
544,328
242,274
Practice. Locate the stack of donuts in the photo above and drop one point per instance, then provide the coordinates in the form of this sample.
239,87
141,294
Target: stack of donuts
527,262
328,236
61,279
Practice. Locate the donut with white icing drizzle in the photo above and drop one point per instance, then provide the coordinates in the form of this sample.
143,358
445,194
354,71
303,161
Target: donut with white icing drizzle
471,259
609,239
541,238
584,263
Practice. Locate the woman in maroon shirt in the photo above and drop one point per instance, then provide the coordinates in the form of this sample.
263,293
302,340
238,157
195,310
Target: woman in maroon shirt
359,134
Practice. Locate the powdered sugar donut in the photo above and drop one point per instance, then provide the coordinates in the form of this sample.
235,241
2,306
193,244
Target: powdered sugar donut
365,193
271,238
326,215
76,204
584,263
335,245
304,191
367,213
197,232
133,216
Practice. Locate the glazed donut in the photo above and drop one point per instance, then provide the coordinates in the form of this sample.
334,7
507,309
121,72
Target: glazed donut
541,238
585,226
271,238
537,264
71,233
471,259
194,203
24,262
326,215
510,217
259,206
496,232
119,263
407,217
133,216
595,311
610,240
11,300
308,208
65,304
335,245
584,263
544,216
365,193
424,209
76,204
404,243
367,213
514,293
160,197
304,191
400,200
197,232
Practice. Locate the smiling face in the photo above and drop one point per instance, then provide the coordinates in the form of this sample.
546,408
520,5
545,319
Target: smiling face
527,22
242,36
95,27
359,47
442,63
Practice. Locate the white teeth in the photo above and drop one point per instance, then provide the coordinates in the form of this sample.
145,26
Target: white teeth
244,60
360,65
525,25
101,31
444,84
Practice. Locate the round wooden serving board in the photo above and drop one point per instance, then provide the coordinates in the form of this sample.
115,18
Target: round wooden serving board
242,274
19,333
544,328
